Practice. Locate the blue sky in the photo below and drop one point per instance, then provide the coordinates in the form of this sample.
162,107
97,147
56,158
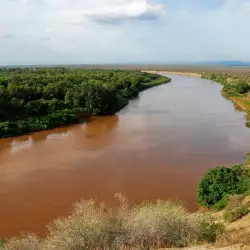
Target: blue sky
108,31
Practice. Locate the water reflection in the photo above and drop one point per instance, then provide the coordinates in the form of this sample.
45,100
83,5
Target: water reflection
93,127
16,145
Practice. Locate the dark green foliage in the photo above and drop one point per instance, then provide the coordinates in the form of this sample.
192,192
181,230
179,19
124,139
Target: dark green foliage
239,88
221,203
38,99
242,88
236,213
221,182
232,84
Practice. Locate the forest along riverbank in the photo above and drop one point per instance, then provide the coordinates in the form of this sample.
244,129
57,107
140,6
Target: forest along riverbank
40,99
157,146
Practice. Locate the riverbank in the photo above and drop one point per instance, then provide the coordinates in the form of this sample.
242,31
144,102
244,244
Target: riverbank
193,74
41,99
242,101
148,226
236,88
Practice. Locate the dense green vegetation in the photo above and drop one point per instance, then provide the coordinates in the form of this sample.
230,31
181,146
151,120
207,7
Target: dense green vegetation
236,88
234,85
221,182
38,99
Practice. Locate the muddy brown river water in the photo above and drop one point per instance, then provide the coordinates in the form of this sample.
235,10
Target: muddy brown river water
159,146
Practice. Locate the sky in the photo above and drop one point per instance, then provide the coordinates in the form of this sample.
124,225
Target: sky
123,31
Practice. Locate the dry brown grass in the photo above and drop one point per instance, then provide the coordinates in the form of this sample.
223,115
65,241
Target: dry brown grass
233,238
25,242
147,226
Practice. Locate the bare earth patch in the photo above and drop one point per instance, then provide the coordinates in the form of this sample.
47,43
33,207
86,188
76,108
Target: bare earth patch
175,73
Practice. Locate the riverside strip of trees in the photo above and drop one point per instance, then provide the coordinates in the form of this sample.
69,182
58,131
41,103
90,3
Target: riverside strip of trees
40,99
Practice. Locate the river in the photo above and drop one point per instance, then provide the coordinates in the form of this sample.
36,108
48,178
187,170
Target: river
159,146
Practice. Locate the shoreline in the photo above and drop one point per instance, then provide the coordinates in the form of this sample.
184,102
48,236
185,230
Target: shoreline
198,75
240,101
97,99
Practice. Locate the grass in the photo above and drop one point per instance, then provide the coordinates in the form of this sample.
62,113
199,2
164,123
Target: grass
147,226
236,214
229,239
235,209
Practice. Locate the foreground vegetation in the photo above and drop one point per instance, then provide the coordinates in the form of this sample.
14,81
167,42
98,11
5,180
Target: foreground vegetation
220,183
237,88
39,99
92,225
150,225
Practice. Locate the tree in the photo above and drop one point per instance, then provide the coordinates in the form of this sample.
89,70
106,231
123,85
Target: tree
220,182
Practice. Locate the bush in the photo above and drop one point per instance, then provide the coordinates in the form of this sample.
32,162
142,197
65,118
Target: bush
1,243
210,230
242,88
235,209
236,213
25,242
220,182
94,226
221,204
158,225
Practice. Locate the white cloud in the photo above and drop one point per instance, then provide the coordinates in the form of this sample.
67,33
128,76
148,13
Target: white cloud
137,9
48,30
144,30
110,11
6,35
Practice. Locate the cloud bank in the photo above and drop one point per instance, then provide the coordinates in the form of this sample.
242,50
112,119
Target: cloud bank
108,31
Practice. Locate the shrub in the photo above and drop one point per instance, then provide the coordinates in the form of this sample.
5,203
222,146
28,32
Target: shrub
94,226
1,243
158,225
235,209
221,204
242,88
26,242
236,213
88,227
229,88
210,230
219,183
